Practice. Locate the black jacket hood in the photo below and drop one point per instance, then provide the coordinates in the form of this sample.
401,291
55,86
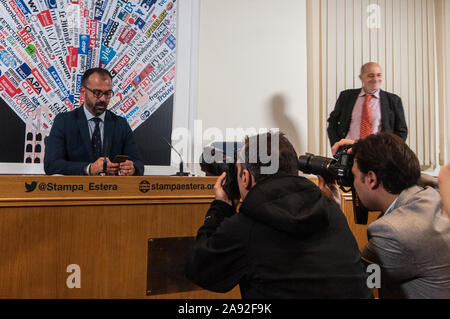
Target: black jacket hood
289,204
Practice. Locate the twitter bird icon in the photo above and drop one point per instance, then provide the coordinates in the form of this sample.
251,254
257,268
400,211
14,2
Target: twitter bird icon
30,187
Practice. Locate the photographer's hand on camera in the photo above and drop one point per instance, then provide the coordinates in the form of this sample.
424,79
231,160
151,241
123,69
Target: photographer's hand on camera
219,191
341,143
330,189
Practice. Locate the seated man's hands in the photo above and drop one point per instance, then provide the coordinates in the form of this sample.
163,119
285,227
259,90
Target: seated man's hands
111,168
97,167
126,168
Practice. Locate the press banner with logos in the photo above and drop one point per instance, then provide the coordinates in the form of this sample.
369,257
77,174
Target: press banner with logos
46,46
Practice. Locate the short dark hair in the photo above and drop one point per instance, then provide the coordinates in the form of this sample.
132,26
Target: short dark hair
89,72
390,158
287,156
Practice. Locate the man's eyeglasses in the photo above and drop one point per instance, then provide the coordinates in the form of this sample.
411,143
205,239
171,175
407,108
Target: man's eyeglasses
99,93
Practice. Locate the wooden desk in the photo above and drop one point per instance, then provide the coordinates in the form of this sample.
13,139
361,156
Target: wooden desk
102,224
359,231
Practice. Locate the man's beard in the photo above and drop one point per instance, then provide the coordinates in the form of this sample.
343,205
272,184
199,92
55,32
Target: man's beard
98,108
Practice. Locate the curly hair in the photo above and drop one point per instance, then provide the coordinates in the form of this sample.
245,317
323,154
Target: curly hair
393,162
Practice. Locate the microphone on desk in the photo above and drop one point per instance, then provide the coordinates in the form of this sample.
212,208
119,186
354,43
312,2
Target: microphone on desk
180,173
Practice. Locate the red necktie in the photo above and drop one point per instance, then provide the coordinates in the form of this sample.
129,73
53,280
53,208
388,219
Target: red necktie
366,118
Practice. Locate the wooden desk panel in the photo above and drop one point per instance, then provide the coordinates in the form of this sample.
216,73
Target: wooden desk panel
359,231
104,232
85,190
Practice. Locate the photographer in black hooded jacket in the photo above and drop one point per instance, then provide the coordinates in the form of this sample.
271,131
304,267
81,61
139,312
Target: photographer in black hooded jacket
288,239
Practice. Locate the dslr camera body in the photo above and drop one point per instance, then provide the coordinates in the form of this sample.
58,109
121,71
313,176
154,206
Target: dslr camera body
215,162
337,169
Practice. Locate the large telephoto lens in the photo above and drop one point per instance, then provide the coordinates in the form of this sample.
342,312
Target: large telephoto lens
317,165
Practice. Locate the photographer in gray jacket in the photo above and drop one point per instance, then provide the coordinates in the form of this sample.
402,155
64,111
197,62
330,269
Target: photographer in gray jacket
411,239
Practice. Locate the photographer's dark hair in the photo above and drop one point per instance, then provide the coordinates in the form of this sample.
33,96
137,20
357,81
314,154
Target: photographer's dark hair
89,72
287,156
388,156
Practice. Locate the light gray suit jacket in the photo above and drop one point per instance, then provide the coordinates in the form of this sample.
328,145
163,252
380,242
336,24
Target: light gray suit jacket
412,246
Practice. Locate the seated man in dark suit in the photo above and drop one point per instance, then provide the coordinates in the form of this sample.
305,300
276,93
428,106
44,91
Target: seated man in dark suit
82,141
360,112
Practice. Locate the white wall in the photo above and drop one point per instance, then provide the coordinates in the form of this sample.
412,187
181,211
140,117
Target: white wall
252,67
344,34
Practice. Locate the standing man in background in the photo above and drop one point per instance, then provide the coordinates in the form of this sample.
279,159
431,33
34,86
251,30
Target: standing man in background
369,110
81,142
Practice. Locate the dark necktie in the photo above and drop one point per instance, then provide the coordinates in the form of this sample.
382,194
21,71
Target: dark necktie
96,141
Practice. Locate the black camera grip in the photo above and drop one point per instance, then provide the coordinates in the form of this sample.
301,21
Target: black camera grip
360,213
